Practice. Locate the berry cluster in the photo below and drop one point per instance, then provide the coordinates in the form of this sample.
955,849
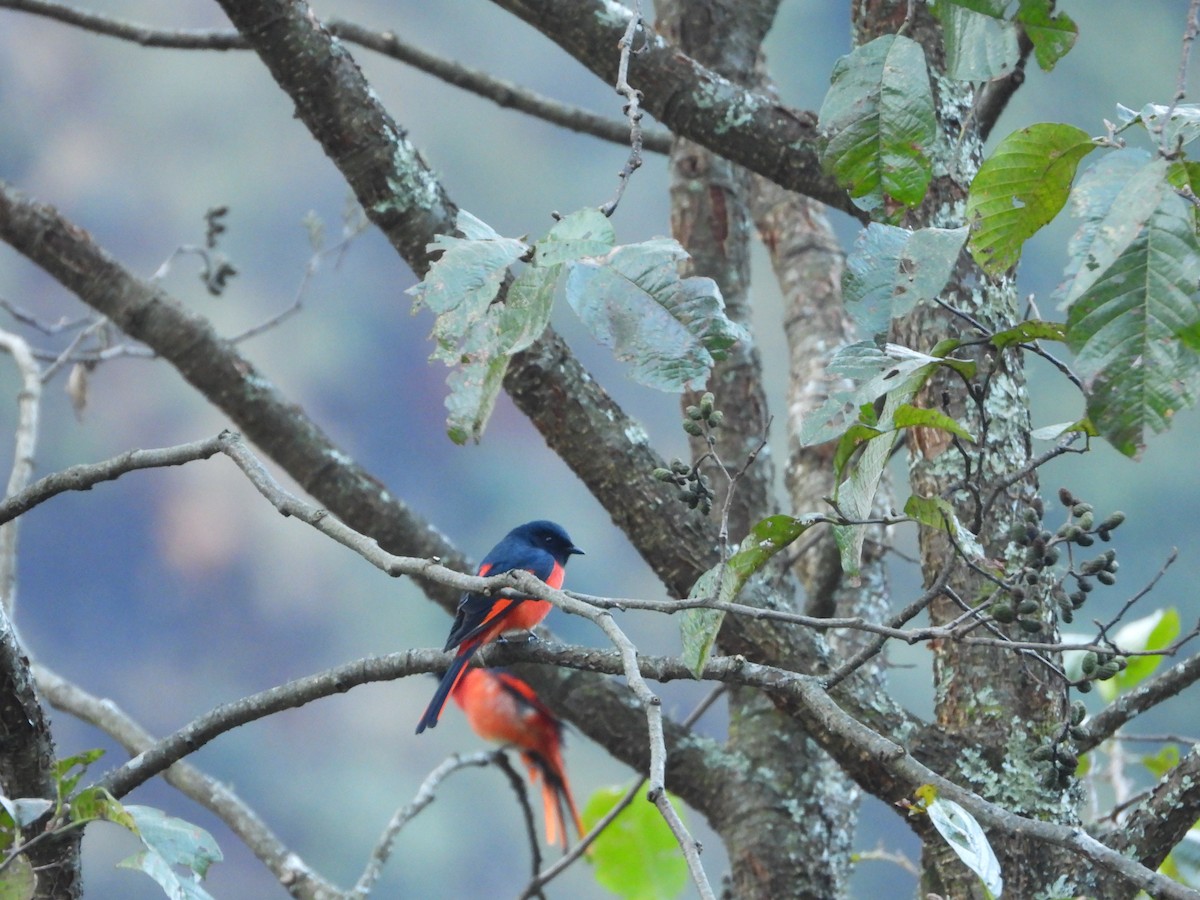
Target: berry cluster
694,488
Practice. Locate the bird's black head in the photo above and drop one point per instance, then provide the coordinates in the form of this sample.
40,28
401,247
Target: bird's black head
548,536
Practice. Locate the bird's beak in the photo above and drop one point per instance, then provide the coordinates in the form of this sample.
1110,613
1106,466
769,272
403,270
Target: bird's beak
576,550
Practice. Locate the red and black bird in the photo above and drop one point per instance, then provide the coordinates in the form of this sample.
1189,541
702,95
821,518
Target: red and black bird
540,547
503,708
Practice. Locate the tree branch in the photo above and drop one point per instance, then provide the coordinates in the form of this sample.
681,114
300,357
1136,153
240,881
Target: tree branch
778,143
28,409
501,92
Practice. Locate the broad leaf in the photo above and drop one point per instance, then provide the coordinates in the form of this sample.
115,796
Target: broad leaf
1052,34
893,269
637,856
669,329
1116,199
177,842
1134,328
980,45
468,275
1020,188
915,417
880,118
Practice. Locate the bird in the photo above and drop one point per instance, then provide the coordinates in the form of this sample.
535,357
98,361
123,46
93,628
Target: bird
540,547
503,708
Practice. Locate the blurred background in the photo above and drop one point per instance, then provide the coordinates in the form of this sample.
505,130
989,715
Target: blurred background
172,591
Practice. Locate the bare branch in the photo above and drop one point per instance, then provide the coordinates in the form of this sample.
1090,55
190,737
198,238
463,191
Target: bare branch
501,92
85,476
425,795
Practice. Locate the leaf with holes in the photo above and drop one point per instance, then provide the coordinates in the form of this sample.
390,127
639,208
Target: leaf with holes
669,329
893,269
1021,187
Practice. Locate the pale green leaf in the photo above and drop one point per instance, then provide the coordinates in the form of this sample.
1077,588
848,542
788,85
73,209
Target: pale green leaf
967,839
669,329
1178,129
179,843
938,513
1021,187
893,269
1115,198
880,118
586,232
474,387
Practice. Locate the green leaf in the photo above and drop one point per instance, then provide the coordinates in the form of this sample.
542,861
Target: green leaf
893,269
699,627
19,881
586,232
1052,34
96,803
965,837
1153,632
64,774
1032,330
851,440
1021,187
670,329
1134,327
912,417
175,886
980,45
880,117
23,811
636,857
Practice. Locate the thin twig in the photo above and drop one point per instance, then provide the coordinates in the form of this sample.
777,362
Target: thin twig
1185,54
425,795
633,112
